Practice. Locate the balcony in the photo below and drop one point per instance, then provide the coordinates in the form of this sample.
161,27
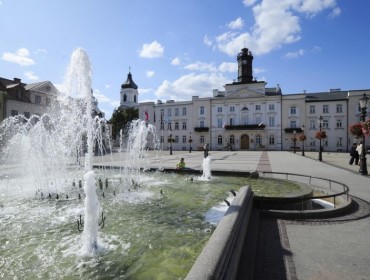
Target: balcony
292,129
201,129
245,127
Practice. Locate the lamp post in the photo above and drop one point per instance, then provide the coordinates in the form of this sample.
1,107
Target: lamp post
320,149
303,138
170,144
294,141
363,105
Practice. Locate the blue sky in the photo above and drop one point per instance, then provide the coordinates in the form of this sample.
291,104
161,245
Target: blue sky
177,49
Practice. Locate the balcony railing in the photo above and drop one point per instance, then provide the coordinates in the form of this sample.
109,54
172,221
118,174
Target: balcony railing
245,127
201,129
291,130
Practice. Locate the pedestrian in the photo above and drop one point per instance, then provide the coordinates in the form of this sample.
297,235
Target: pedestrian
354,155
206,148
181,164
359,151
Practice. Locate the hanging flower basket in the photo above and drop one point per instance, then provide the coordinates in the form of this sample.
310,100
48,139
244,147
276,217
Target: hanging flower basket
169,140
302,137
320,135
294,139
190,140
366,128
357,129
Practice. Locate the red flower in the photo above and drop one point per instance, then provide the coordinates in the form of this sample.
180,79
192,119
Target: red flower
320,135
302,137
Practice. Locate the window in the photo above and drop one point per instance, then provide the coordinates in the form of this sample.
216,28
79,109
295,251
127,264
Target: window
293,124
231,122
184,126
201,123
219,123
293,110
339,123
183,139
162,126
312,142
258,120
176,125
312,124
244,120
271,121
134,97
124,98
37,99
232,108
184,111
169,112
201,140
271,140
202,110
258,107
339,141
339,108
13,113
232,139
162,139
169,126
271,107
258,140
48,101
325,109
219,109
325,124
312,109
219,140
177,112
176,139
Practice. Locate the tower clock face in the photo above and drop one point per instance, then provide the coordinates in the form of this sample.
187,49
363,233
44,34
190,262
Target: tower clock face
244,61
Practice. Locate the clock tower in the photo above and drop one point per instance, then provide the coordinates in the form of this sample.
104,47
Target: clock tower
245,59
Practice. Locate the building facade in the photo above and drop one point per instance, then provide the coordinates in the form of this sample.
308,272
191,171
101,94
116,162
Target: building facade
249,116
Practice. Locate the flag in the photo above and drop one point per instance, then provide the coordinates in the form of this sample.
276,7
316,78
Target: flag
146,115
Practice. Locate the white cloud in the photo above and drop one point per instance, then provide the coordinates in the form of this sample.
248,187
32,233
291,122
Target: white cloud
149,73
107,86
201,66
258,70
236,24
44,51
152,50
31,76
231,67
276,23
21,57
295,54
335,12
316,49
189,85
176,61
249,2
207,41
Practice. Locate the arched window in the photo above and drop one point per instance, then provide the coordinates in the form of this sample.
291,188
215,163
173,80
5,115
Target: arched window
219,140
124,98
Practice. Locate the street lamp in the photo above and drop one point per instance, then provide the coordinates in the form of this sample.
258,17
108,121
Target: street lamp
303,138
190,140
294,141
320,126
170,144
363,105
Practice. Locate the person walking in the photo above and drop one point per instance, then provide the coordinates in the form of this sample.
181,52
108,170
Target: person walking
206,148
359,151
354,155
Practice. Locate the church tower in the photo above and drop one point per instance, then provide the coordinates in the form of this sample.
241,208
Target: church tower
129,94
245,63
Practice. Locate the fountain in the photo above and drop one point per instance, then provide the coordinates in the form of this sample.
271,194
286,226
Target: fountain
155,225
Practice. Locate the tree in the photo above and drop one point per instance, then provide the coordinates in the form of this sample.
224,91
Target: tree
120,119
